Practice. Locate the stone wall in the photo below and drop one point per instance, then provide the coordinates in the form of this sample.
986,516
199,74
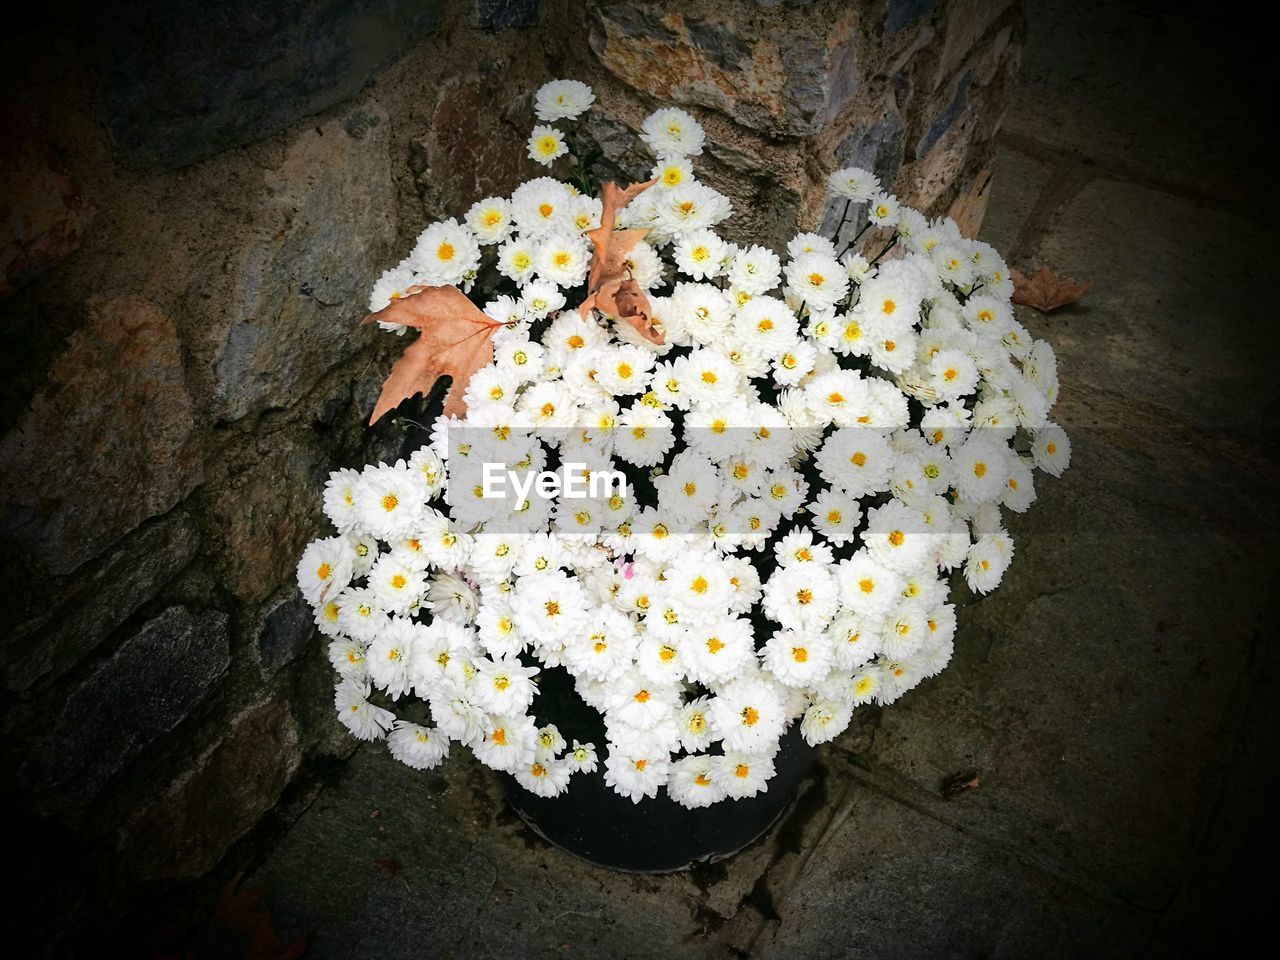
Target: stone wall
196,198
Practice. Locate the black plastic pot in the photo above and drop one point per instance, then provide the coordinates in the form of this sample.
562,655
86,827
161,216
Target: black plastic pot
656,835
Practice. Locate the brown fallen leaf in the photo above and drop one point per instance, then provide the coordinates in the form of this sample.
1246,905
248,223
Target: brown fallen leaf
961,783
610,288
241,928
1045,290
455,338
387,866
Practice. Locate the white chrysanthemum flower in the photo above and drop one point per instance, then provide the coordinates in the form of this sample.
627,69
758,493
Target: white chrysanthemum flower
767,324
1051,449
868,587
638,701
1020,490
672,133
818,279
698,313
545,777
953,374
562,100
364,720
520,358
749,715
550,605
490,220
688,207
799,547
853,183
857,462
898,537
794,362
987,561
426,464
636,775
659,657
697,583
542,206
883,208
389,501
397,586
499,635
393,285
825,720
742,775
854,640
624,370
416,746
516,258
797,659
981,468
671,171
325,569
692,783
865,686
700,254
604,647
546,145
327,618
644,435
508,743
563,259
689,490
446,252
755,270
745,582
905,630
708,377
451,598
582,758
504,686
801,597
359,615
835,516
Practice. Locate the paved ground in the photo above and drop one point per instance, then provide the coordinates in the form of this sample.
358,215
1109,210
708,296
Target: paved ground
1117,693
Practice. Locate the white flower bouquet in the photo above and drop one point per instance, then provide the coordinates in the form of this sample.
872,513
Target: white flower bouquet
795,451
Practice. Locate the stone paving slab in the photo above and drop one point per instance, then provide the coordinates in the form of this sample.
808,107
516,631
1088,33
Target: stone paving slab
445,869
1158,90
893,880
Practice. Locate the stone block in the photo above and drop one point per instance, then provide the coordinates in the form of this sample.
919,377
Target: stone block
184,832
502,15
475,148
287,629
267,507
774,71
298,283
139,694
182,81
43,213
89,610
109,442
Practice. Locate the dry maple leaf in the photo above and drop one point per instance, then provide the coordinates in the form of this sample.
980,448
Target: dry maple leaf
610,288
455,338
961,783
1045,290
